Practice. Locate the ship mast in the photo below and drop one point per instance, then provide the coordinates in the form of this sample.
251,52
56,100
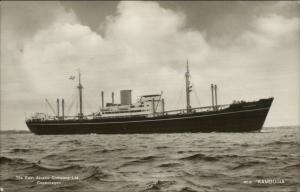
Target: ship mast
80,87
187,88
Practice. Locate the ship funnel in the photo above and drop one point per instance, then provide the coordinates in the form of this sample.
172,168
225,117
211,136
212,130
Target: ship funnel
212,95
102,99
112,98
125,97
63,108
57,108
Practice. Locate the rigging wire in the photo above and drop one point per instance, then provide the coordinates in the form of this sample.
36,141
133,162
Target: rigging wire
76,110
72,102
197,98
46,108
180,97
195,92
181,94
88,107
159,100
50,106
74,105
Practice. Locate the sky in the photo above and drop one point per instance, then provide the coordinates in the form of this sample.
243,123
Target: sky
250,49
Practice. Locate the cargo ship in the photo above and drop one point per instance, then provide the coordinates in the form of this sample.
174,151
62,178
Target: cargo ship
148,115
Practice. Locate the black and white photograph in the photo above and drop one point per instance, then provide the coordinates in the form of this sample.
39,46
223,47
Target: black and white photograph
150,96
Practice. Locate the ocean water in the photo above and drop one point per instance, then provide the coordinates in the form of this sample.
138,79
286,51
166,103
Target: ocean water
266,161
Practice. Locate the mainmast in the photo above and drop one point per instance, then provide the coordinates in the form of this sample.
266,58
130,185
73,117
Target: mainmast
188,88
80,87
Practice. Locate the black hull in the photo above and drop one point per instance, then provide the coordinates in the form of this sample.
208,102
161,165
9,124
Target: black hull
244,117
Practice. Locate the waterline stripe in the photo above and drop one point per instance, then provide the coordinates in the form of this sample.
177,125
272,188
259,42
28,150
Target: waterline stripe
266,108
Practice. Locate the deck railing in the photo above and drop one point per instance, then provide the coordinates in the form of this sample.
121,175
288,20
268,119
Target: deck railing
150,114
194,110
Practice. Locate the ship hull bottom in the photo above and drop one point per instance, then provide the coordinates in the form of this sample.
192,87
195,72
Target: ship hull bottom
247,120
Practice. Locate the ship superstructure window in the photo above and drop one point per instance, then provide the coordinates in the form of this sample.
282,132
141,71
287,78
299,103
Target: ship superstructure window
143,106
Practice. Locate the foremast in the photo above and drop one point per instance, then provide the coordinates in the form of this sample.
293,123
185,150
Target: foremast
80,87
188,88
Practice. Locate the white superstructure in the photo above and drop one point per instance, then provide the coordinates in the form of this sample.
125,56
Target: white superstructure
146,105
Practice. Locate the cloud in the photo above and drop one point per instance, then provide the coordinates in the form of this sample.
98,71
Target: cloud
142,43
20,21
265,60
152,22
272,30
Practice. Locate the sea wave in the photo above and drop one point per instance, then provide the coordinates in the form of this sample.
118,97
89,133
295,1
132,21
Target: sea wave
73,142
187,189
11,160
109,150
170,165
95,174
200,156
293,166
159,162
139,161
248,164
54,168
279,143
159,184
55,156
20,150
